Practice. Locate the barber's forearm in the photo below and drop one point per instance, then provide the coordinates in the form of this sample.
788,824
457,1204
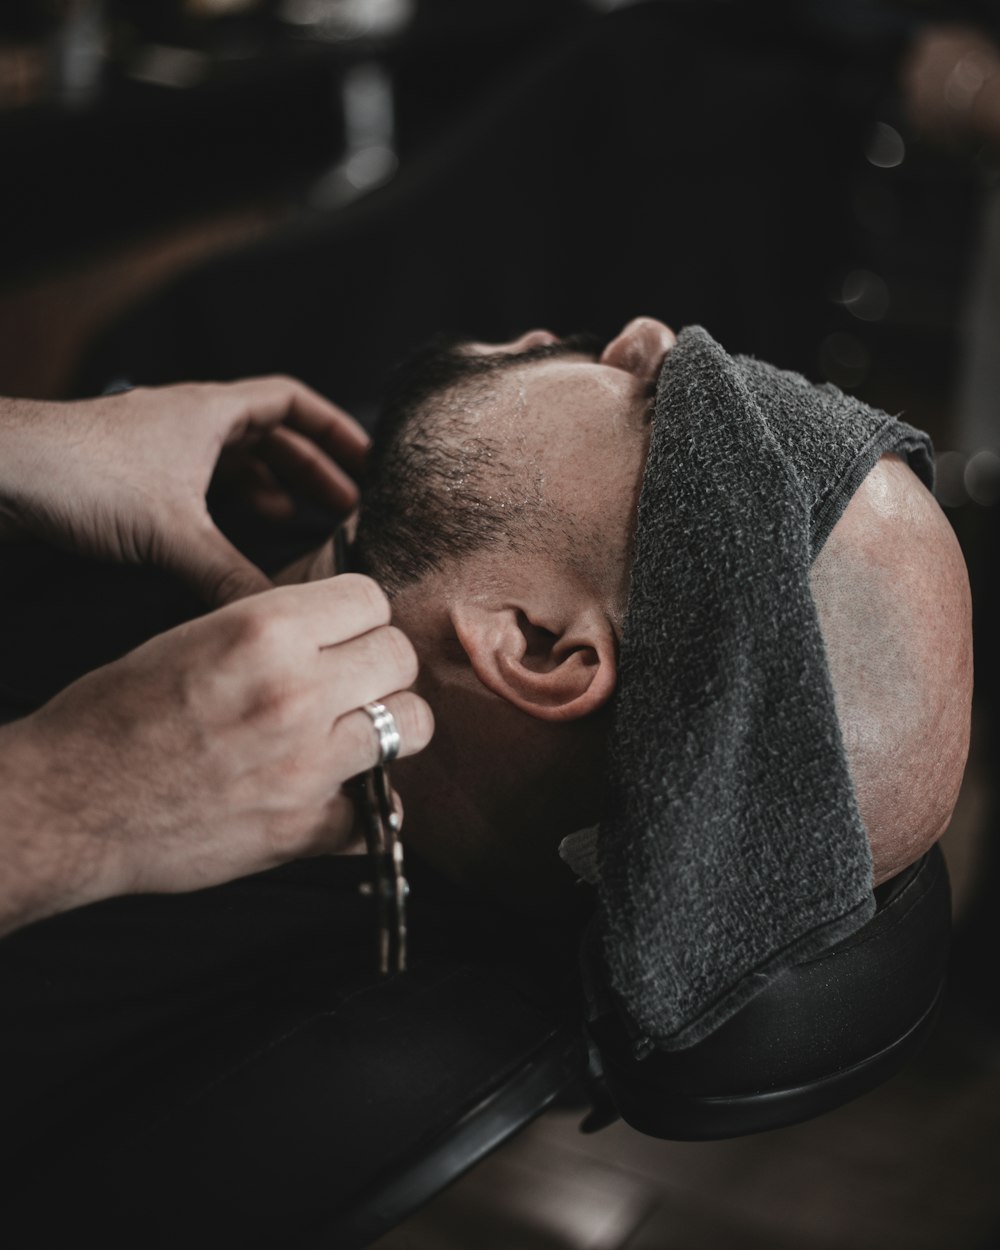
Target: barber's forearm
25,433
51,858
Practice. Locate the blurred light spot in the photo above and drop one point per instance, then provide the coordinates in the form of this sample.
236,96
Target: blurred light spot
165,66
348,19
369,130
865,295
982,478
218,8
78,53
949,479
966,80
370,167
886,148
369,109
302,12
844,359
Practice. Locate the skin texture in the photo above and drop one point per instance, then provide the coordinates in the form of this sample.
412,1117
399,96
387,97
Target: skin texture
893,600
214,750
219,748
124,477
518,651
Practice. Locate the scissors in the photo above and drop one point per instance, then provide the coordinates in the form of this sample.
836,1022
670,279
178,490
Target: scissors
382,825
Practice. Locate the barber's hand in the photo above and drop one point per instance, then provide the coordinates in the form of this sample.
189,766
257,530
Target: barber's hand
124,477
212,751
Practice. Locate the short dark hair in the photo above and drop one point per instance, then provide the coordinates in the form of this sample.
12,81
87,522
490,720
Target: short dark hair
438,485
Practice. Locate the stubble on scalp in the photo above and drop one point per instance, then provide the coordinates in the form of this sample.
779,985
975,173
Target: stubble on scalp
449,475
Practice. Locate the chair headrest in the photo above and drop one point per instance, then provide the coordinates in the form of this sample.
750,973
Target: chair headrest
821,1033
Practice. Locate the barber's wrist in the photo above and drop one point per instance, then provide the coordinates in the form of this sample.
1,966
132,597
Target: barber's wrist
52,858
23,468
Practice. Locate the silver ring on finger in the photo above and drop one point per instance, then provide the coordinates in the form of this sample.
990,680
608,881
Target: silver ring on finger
386,731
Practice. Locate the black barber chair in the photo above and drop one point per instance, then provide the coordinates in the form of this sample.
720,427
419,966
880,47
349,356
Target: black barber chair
819,1035
328,1131
822,1033
326,1122
428,1073
220,1069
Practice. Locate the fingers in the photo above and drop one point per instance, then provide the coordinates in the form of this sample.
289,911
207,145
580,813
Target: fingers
274,631
329,427
363,669
355,743
304,467
242,473
267,402
274,634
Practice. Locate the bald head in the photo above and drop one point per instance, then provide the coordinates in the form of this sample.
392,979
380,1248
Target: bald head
510,576
893,600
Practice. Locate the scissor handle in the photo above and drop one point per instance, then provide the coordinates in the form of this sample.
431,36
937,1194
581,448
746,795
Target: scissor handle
382,823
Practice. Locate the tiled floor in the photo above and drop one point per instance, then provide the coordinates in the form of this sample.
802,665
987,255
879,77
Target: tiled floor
912,1166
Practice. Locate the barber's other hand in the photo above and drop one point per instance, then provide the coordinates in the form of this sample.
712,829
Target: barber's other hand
214,750
124,477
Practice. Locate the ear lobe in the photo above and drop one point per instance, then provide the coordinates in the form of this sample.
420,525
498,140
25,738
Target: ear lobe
555,674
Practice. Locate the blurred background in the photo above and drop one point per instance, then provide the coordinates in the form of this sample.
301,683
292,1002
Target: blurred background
216,188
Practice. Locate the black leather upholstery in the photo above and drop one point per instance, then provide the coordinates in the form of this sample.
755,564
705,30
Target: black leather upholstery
817,1036
226,1068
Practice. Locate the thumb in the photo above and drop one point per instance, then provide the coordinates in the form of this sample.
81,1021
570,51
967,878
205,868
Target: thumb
215,569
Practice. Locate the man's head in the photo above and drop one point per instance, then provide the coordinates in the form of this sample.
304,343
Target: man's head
501,517
516,444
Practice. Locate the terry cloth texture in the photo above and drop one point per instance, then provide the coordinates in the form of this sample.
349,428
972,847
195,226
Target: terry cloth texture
732,845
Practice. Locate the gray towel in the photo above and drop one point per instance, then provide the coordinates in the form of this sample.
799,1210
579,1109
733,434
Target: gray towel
732,845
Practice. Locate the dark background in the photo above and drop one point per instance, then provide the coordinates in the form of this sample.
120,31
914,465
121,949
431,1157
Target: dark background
313,188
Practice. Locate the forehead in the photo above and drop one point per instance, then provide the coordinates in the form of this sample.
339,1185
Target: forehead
571,411
581,389
552,381
581,426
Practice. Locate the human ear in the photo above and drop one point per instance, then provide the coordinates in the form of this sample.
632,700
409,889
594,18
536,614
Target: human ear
640,348
554,669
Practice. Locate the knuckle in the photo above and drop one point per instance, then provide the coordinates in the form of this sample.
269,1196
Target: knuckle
292,709
261,636
368,595
400,655
250,628
274,708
